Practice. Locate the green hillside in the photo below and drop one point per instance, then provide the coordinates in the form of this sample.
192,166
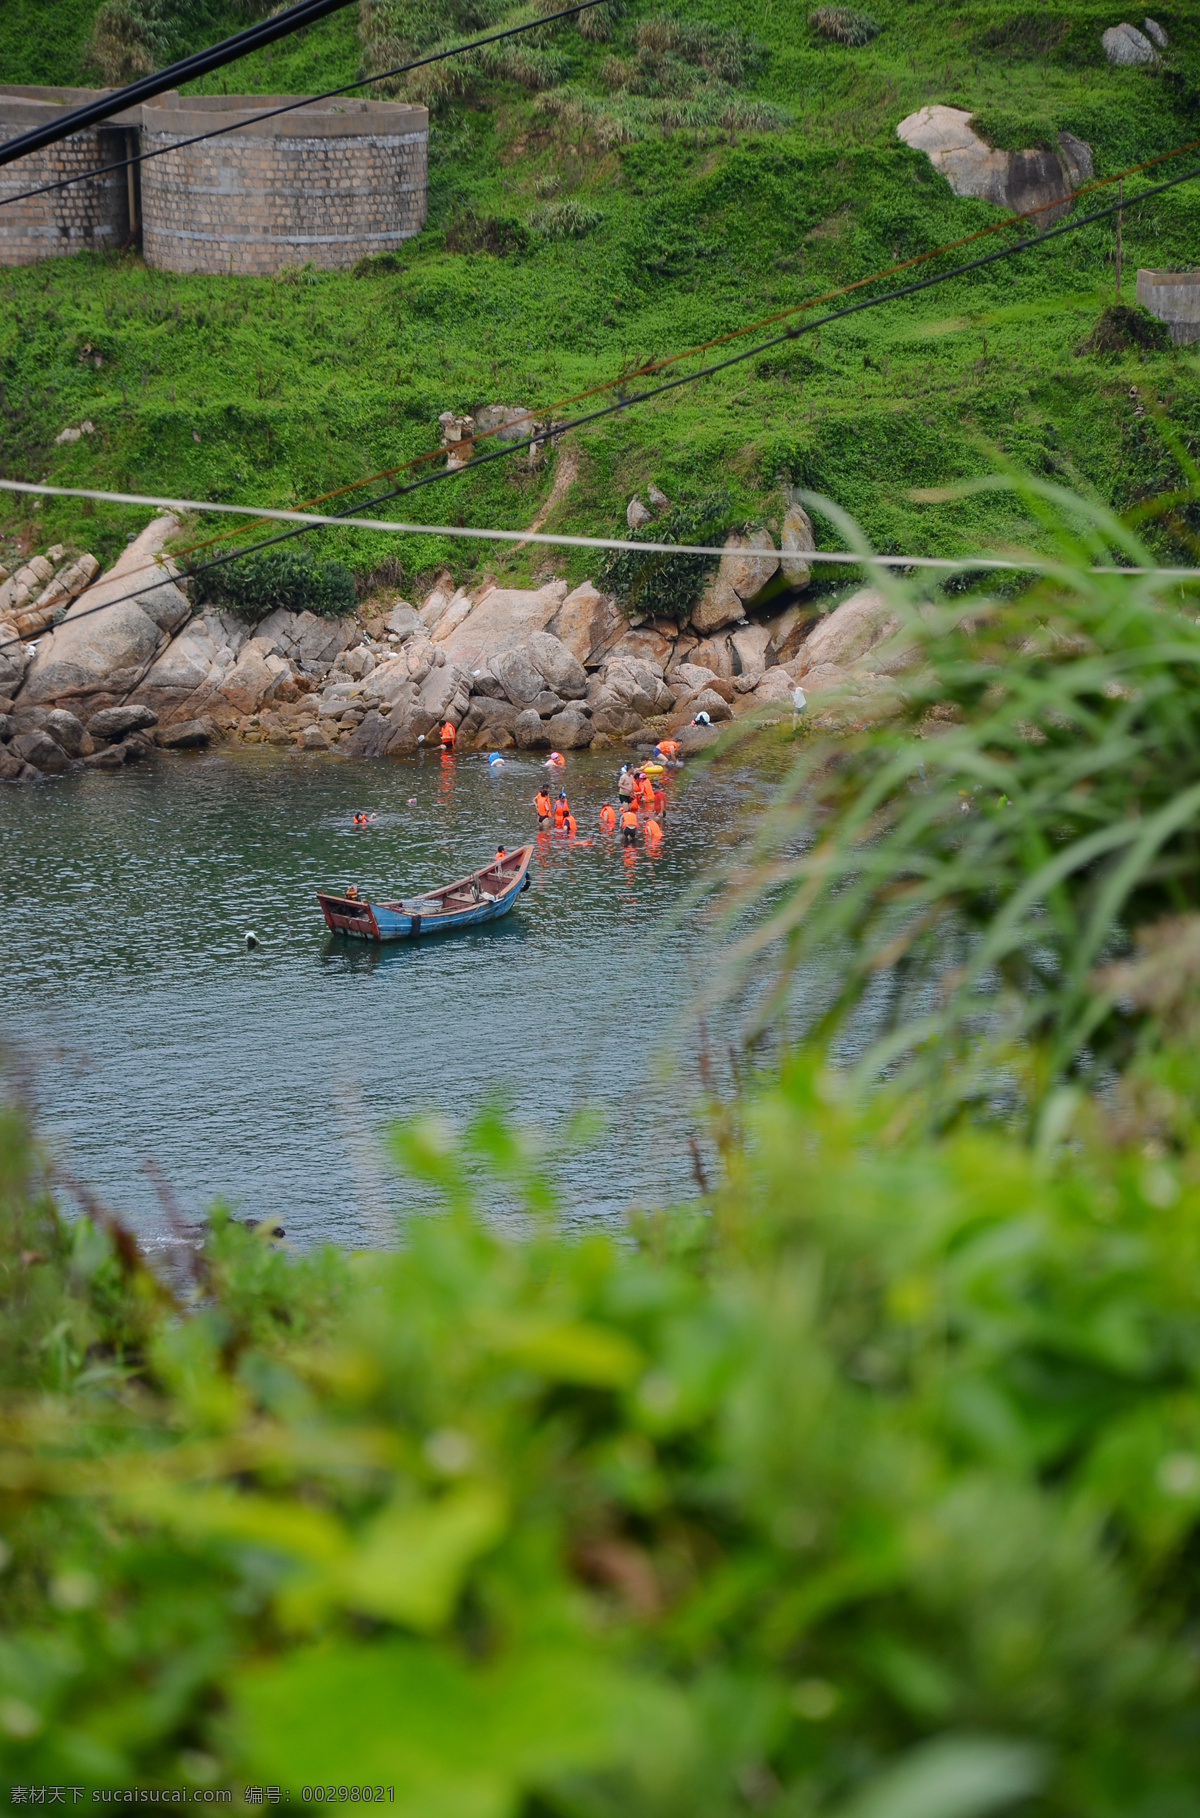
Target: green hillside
686,220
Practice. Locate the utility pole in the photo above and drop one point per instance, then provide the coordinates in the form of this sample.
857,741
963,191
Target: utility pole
1120,200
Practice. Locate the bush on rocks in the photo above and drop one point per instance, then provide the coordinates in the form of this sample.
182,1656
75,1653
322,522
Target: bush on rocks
255,585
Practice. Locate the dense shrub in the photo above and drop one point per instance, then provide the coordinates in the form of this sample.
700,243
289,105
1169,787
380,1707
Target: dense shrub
663,586
1126,328
469,232
255,585
844,25
1006,130
567,220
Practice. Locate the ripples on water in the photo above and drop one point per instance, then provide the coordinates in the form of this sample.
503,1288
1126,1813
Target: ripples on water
269,1077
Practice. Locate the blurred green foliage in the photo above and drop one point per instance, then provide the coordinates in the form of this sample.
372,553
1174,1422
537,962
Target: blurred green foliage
1002,853
873,1489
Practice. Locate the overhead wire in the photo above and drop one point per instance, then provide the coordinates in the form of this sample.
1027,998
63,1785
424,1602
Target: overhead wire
288,107
557,430
187,69
648,367
560,539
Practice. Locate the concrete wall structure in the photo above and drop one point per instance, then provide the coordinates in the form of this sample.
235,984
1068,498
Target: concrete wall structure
323,185
1174,297
88,217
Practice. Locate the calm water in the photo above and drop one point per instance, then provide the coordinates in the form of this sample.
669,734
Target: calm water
269,1077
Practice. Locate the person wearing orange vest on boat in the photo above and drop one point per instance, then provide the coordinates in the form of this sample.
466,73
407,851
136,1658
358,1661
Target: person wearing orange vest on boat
449,735
652,832
562,809
629,825
501,854
608,818
541,802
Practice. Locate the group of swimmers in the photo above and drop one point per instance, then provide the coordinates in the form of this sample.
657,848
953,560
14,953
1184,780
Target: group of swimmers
638,795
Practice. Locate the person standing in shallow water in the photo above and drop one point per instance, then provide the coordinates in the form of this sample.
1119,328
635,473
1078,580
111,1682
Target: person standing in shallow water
608,818
541,802
625,784
629,825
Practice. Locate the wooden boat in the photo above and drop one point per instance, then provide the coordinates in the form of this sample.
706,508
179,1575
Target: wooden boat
483,896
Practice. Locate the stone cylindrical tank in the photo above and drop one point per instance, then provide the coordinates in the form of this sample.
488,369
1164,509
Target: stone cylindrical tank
99,215
324,185
1174,297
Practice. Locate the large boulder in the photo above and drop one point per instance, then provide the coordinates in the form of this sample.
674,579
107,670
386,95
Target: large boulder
686,678
23,586
14,659
189,735
715,654
252,677
588,623
502,619
796,535
184,681
518,675
742,573
1124,44
305,641
42,751
107,641
68,732
788,633
749,646
403,620
70,581
848,632
711,703
1016,180
571,730
562,669
113,723
529,732
455,612
654,646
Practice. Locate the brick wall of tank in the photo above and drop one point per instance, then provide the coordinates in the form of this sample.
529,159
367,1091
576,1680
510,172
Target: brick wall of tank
87,217
252,205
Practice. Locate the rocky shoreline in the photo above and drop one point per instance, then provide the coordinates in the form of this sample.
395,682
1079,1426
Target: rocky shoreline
101,680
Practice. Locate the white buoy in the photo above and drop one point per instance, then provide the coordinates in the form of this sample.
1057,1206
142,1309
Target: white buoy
251,938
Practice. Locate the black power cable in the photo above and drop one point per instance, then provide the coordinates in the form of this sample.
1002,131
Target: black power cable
503,450
288,107
267,31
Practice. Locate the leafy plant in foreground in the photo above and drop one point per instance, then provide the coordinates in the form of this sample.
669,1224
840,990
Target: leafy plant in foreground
1010,797
875,1491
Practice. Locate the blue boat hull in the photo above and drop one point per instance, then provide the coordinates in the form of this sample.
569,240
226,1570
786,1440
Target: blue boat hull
438,912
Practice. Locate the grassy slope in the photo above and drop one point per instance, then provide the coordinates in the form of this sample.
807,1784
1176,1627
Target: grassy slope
294,387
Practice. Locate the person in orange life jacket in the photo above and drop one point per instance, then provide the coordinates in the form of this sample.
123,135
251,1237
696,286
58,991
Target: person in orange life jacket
570,825
660,801
608,817
652,832
562,809
667,750
629,825
644,791
541,802
500,854
448,735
